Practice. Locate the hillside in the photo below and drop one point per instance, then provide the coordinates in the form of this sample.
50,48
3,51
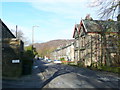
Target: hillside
47,47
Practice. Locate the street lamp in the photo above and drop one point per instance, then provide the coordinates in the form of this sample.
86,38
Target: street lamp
33,35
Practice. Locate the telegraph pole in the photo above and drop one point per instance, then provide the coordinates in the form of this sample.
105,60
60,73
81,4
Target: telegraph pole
33,35
16,31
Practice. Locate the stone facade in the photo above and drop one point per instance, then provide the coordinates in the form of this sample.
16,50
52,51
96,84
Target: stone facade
76,43
66,52
98,43
12,49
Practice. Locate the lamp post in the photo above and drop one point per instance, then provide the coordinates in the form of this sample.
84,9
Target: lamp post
33,35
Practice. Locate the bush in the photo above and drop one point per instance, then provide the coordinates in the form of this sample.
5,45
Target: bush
64,62
80,64
71,63
111,69
62,59
27,61
105,68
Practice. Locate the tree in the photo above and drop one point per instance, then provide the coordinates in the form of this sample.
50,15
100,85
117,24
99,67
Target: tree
108,8
20,35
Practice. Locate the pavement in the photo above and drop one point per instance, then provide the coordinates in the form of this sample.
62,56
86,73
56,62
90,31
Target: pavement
49,75
27,81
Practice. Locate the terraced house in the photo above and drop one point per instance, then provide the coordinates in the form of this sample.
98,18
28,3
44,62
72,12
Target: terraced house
97,43
66,52
76,43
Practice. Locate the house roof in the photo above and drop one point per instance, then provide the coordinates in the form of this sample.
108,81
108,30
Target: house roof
76,29
3,24
101,26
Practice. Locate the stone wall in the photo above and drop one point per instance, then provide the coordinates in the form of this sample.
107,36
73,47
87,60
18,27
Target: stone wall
98,50
11,50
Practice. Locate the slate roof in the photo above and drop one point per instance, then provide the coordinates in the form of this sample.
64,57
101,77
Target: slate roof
76,29
2,24
101,26
77,26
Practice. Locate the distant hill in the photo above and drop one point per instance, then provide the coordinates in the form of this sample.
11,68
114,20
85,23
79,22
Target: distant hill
47,47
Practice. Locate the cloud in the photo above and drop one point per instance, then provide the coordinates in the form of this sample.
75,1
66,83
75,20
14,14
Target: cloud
65,8
42,34
58,20
55,8
52,1
47,1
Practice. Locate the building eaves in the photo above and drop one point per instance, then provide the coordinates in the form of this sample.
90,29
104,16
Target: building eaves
84,25
76,29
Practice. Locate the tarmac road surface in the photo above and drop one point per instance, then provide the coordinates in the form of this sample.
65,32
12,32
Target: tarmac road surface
49,75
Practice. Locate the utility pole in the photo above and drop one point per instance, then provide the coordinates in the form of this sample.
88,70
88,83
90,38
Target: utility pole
16,31
33,35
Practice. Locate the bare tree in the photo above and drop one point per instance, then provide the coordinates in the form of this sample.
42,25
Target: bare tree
108,8
20,35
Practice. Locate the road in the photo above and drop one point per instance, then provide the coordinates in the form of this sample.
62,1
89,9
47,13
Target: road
49,75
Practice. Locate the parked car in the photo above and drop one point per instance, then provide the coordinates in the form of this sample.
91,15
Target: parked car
49,60
57,62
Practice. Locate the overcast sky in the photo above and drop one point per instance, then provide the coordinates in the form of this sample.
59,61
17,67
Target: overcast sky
56,18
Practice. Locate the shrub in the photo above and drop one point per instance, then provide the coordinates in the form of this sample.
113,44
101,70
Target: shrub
111,69
27,61
80,63
71,63
62,59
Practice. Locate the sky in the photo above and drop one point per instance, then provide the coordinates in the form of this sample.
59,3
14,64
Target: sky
56,18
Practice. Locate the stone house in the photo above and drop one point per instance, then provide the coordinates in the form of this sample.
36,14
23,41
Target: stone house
12,50
66,52
76,43
98,42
